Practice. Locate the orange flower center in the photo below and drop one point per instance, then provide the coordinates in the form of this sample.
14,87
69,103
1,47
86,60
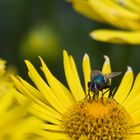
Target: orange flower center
97,120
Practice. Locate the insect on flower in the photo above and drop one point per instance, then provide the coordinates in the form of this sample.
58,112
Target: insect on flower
99,81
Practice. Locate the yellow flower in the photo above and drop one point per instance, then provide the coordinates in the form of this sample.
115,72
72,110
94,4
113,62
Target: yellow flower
5,83
69,114
2,67
123,14
16,122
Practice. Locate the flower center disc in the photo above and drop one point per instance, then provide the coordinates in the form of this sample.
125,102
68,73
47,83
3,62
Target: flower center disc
97,120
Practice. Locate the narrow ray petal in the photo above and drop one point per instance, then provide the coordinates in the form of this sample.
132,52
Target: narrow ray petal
5,102
20,98
134,137
106,66
43,87
31,89
137,2
57,136
125,86
129,4
20,87
57,89
44,117
106,69
120,11
136,116
114,17
115,36
23,89
76,75
26,125
86,71
52,127
46,111
73,83
136,130
41,110
85,8
132,101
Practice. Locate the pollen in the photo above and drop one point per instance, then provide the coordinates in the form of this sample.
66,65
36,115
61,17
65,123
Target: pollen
98,120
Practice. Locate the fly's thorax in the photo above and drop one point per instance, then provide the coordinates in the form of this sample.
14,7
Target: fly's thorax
99,80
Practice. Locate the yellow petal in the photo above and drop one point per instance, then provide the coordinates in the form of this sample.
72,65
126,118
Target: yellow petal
51,127
12,116
5,101
20,98
56,136
33,91
114,36
125,86
136,129
55,86
26,126
134,137
39,109
137,2
86,71
136,117
129,4
46,111
119,10
76,75
72,77
44,116
83,138
106,66
20,87
2,67
84,8
114,16
106,69
44,88
132,101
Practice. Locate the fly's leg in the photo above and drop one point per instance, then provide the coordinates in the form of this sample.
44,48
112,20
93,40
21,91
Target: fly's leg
89,89
112,93
89,93
108,88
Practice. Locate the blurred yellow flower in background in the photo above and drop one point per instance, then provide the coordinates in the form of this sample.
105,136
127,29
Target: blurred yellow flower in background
16,122
68,114
5,83
41,40
2,67
122,14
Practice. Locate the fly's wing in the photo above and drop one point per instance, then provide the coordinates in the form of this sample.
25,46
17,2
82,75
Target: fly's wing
94,73
111,75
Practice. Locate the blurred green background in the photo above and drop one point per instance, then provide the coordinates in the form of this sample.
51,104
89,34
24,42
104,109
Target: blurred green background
31,28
